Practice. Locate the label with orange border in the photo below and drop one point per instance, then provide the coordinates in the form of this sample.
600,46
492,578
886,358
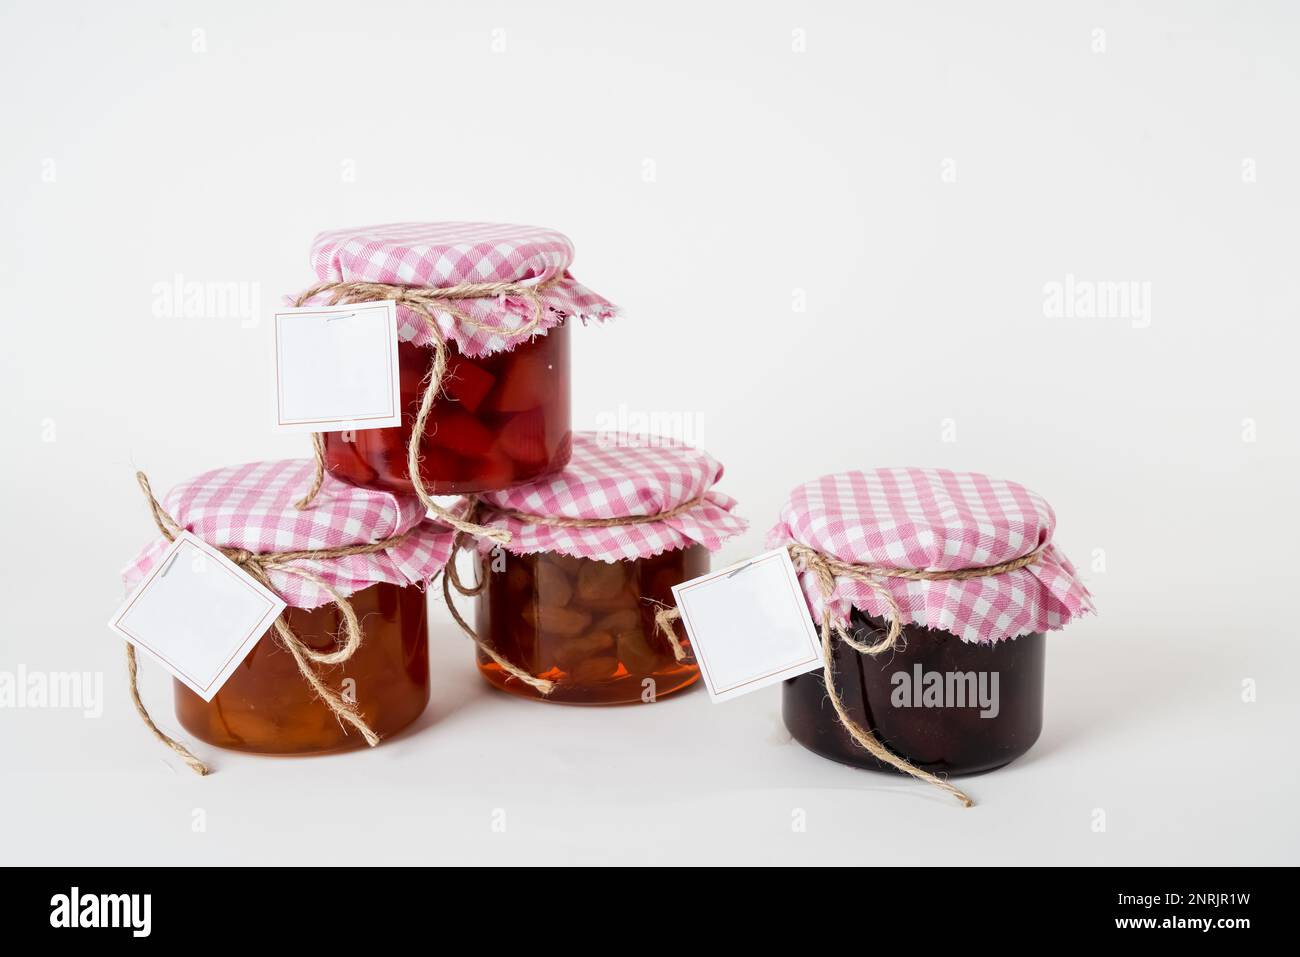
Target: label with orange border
198,614
749,625
336,368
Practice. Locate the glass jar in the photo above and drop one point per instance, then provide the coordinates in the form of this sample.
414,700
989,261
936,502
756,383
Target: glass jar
943,704
267,707
502,420
588,625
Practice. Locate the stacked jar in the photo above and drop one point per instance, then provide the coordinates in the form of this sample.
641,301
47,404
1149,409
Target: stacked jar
569,609
347,662
483,312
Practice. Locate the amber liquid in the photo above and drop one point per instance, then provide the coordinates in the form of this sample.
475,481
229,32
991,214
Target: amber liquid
950,739
266,706
587,625
502,420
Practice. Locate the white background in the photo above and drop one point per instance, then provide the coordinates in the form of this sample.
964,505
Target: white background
706,171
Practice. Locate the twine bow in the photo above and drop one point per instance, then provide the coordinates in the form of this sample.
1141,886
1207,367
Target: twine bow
451,579
828,571
425,301
258,565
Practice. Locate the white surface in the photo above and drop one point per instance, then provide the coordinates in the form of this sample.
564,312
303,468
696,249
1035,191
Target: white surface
779,179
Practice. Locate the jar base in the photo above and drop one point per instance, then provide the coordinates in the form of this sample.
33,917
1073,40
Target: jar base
616,691
294,742
867,762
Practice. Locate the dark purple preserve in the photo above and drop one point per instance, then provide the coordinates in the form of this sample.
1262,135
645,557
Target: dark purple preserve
943,704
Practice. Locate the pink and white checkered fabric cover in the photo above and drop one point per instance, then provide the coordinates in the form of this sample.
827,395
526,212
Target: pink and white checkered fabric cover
618,479
937,520
251,507
447,254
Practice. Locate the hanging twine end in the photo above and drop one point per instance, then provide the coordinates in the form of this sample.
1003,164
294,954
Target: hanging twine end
955,791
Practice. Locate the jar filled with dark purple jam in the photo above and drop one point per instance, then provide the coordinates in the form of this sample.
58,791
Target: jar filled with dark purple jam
940,588
943,704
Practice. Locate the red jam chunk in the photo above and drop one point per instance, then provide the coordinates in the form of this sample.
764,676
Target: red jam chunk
267,706
502,420
587,625
945,705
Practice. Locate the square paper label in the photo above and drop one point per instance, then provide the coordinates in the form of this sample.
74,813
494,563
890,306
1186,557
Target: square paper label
198,613
749,625
336,368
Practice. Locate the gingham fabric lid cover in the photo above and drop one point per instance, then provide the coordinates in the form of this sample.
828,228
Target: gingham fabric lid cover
937,520
617,479
252,507
447,254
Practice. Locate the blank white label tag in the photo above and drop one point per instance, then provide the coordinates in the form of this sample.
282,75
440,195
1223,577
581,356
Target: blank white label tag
336,368
749,625
198,613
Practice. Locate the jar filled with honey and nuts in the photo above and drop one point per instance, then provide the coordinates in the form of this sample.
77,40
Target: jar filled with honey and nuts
595,551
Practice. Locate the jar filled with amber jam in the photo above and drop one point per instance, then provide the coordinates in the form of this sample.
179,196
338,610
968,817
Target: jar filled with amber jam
595,552
971,569
501,414
268,705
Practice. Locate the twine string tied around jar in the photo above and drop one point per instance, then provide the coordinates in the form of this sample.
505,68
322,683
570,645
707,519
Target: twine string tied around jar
452,580
827,570
426,301
258,565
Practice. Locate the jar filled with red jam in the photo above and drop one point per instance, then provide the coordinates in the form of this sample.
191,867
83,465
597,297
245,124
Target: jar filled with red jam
967,565
503,419
595,550
501,413
369,550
